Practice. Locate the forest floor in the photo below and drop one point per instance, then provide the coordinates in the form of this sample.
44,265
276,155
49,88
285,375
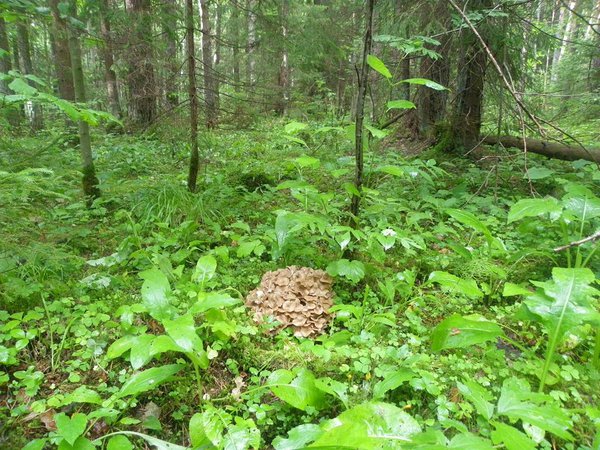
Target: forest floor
436,322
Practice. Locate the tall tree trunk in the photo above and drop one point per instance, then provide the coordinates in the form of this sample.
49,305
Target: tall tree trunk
37,122
189,38
251,46
284,68
207,63
5,65
218,47
89,179
432,104
140,77
62,56
472,64
235,24
170,31
110,77
360,112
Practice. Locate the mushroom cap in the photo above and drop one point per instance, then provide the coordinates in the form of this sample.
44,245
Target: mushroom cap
297,297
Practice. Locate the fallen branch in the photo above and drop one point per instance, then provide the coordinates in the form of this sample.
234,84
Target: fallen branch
549,149
593,237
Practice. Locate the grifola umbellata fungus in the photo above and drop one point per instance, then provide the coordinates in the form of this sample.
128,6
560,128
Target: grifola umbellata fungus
297,297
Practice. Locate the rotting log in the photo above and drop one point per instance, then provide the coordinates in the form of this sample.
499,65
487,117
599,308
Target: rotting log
546,148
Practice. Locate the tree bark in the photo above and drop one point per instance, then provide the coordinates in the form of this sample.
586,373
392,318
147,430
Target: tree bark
140,78
218,48
170,31
235,23
36,119
110,77
432,104
207,63
62,56
251,46
284,69
466,121
89,179
194,156
5,65
549,149
360,112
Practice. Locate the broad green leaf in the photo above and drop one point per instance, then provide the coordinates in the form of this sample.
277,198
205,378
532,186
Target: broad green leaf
158,444
511,289
334,388
308,161
470,220
455,284
518,402
460,332
36,444
155,291
183,332
205,269
70,428
353,270
469,441
298,437
378,65
512,438
479,396
119,442
296,140
213,300
148,379
285,225
400,104
82,394
81,443
20,86
424,82
584,207
140,352
207,427
533,207
294,184
392,381
294,127
538,173
376,132
162,344
392,170
564,303
120,346
351,189
297,389
368,426
242,435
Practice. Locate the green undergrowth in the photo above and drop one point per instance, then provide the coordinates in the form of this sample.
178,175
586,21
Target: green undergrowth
456,323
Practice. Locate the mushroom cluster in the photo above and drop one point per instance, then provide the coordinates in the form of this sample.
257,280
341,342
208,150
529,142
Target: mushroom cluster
297,297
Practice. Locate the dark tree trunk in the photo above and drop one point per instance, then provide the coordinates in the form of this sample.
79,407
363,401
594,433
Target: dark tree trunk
251,45
140,77
194,157
549,149
110,77
432,104
235,23
170,31
5,65
284,68
218,47
207,63
37,122
89,179
62,56
472,66
360,111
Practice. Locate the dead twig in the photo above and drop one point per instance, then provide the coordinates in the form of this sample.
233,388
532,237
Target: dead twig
593,237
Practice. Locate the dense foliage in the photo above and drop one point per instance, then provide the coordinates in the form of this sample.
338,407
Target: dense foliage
466,301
